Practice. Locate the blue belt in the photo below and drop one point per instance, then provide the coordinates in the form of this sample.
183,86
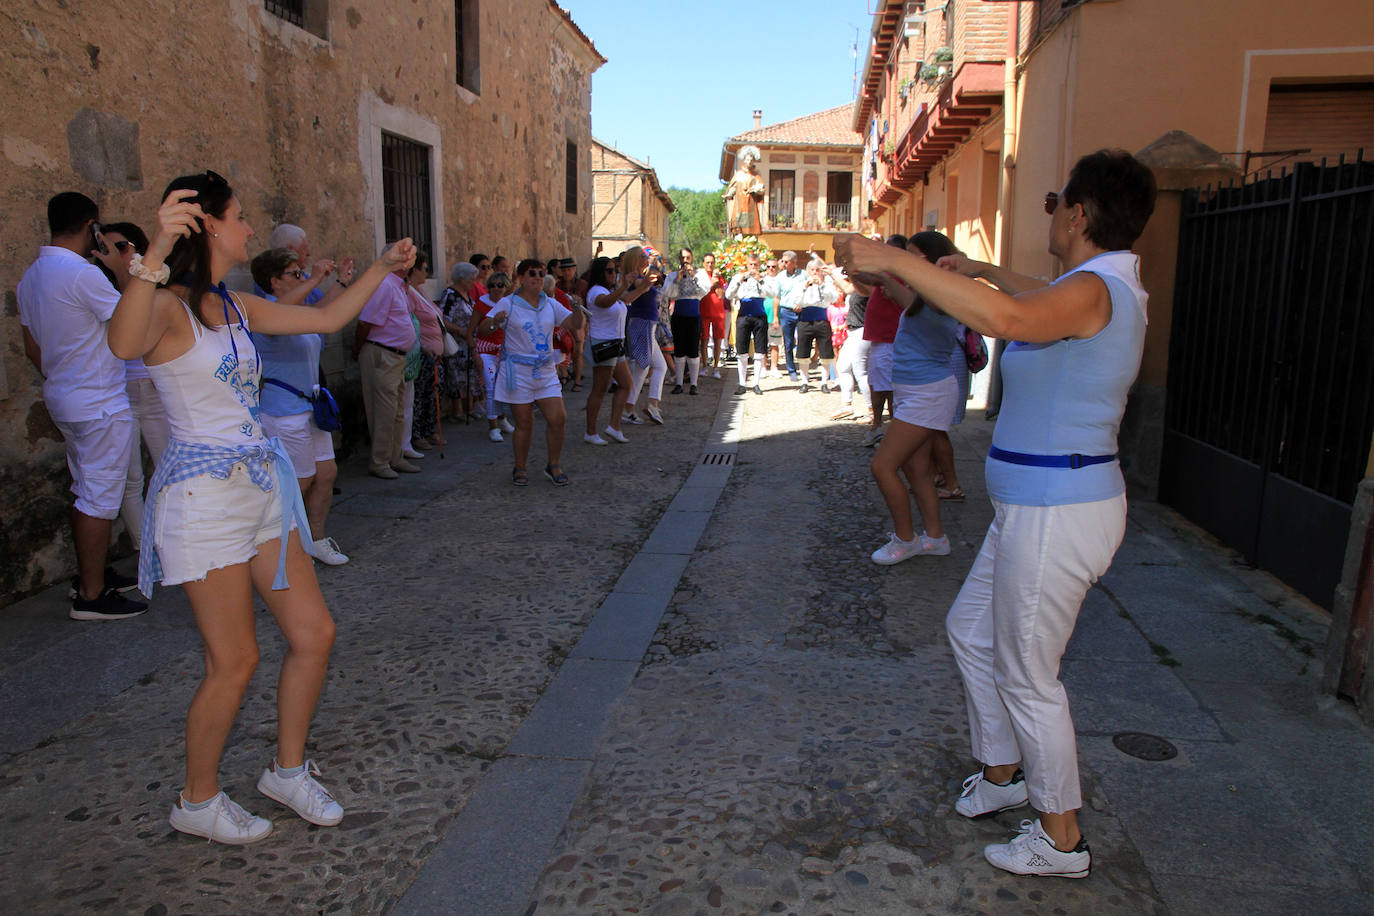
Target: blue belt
752,306
1074,461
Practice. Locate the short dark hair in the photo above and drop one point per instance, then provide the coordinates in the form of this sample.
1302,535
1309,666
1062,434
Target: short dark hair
1117,193
896,240
269,265
477,259
528,264
934,245
552,265
131,232
69,211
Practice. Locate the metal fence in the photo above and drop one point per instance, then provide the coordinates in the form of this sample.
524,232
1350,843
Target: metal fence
1271,365
839,215
293,11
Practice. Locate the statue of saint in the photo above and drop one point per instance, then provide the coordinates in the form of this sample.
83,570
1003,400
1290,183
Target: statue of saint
745,193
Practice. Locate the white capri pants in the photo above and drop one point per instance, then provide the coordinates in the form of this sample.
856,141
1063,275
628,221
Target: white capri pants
1008,629
852,366
490,361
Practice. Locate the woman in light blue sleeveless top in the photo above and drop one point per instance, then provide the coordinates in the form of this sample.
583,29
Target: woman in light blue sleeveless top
1056,487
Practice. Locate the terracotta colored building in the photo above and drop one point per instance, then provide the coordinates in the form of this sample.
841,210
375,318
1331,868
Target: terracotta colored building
810,167
361,122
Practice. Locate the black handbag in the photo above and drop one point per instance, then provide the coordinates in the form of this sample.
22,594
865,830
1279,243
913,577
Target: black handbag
607,349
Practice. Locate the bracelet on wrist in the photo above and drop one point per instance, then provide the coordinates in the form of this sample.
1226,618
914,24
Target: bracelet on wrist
139,272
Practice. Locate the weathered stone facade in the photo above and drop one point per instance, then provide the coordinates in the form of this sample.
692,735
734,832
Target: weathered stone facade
115,99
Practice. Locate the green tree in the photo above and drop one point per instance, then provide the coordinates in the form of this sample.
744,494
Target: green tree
697,223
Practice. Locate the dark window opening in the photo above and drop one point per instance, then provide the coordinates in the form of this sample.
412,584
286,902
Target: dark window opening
406,209
311,15
570,202
839,189
467,63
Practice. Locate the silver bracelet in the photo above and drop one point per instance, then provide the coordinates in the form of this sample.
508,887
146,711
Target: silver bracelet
138,271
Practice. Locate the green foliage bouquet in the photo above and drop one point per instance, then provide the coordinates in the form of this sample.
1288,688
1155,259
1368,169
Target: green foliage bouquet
731,254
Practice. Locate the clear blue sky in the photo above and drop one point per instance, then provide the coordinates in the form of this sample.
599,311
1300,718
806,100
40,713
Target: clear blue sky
677,81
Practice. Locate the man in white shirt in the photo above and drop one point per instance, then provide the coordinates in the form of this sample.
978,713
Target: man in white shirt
64,305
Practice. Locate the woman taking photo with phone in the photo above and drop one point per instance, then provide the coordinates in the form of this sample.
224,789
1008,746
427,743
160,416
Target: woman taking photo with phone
1058,496
224,516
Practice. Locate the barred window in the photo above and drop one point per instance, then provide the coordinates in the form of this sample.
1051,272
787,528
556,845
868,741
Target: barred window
311,15
406,205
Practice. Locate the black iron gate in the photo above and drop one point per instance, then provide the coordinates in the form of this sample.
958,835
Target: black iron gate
1271,367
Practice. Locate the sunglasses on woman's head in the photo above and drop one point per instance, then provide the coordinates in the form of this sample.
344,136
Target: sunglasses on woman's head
1051,201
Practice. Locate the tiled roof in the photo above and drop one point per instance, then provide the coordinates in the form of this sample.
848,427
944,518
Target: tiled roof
832,127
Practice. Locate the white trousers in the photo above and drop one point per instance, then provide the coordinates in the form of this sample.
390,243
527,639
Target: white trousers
654,372
1009,627
852,365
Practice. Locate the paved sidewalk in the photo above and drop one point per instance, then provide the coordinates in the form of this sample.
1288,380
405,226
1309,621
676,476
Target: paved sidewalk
781,729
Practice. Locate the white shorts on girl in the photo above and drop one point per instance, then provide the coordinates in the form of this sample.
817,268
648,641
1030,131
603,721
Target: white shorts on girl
206,523
305,442
931,406
517,384
880,367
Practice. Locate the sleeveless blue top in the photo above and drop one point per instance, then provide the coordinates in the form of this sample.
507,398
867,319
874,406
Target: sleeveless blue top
920,352
1067,397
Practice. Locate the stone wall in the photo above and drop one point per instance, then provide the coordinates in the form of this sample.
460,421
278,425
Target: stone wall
116,99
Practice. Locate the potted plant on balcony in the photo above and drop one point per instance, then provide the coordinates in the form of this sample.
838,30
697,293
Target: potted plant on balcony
939,67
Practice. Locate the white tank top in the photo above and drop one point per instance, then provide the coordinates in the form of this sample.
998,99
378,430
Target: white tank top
210,392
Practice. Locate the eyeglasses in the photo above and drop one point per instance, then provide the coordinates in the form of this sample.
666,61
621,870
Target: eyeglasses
498,285
482,267
535,273
297,273
123,246
1051,201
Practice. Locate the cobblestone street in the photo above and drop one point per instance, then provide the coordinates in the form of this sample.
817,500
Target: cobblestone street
789,737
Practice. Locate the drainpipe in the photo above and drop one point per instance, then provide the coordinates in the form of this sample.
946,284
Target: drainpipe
1010,125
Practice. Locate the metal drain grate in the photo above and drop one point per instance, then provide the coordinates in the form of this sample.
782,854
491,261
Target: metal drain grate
1144,747
718,458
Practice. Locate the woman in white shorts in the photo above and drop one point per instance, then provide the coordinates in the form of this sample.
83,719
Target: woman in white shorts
606,338
290,368
527,372
924,398
224,499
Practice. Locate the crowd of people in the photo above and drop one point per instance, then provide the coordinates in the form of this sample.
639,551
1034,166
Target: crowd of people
140,342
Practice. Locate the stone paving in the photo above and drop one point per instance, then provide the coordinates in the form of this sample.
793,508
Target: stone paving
792,741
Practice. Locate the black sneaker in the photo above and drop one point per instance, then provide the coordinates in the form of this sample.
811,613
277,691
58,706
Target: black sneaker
757,389
692,390
804,388
825,387
677,389
108,605
114,581
739,390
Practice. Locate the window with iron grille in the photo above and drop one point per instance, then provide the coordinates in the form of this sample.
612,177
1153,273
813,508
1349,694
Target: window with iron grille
782,197
293,11
311,15
406,206
570,203
466,46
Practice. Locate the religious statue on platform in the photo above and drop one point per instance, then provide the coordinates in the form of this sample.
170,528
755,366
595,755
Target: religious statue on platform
745,193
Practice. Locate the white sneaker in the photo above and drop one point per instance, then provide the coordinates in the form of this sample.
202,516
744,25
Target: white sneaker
874,436
494,435
981,797
653,414
896,550
615,434
594,439
222,821
327,552
302,794
715,373
411,453
1032,852
506,427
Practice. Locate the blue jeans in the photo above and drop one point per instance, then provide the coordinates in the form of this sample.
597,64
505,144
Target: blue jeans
788,319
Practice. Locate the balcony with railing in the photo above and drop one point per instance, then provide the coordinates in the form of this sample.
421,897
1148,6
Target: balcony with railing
839,215
782,215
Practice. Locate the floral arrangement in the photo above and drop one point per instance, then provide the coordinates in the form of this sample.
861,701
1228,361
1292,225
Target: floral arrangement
731,253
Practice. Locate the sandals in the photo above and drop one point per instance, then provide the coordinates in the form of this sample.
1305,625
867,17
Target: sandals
576,386
558,480
519,477
844,413
956,494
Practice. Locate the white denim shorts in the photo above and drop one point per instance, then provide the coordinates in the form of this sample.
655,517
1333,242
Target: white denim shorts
517,384
206,523
98,455
880,367
931,406
305,442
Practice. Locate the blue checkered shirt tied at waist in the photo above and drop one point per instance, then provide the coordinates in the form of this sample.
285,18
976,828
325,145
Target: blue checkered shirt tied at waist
267,464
